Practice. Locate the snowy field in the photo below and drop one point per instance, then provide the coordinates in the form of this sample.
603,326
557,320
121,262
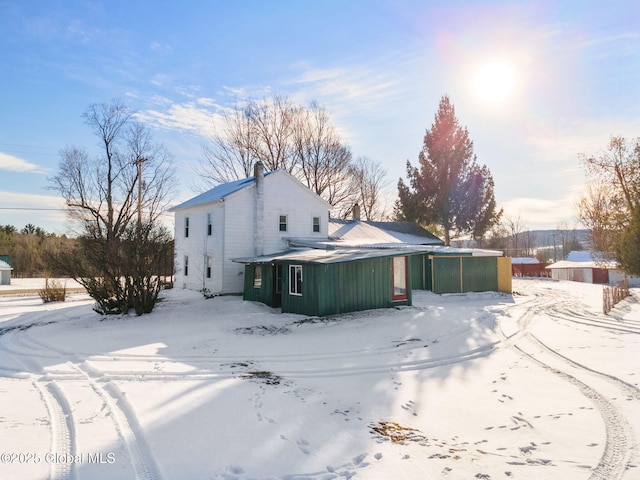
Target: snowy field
538,384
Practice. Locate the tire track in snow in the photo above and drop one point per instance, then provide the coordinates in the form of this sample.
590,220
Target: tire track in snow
619,437
620,443
127,427
62,430
60,415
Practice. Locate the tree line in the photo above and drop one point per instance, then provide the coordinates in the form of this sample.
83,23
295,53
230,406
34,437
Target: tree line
30,249
35,253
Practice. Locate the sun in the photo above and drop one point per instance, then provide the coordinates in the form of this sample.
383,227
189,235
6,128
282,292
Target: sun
494,81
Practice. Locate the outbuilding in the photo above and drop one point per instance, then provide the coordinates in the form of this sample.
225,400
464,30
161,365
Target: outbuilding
5,273
328,282
586,267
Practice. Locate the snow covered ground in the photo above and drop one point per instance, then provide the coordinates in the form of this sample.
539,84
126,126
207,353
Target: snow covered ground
538,384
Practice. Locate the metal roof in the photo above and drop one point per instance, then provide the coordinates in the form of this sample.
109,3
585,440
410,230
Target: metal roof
359,233
333,245
314,255
218,193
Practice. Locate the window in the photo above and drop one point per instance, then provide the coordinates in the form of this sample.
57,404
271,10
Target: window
399,268
186,226
283,223
208,265
316,224
209,226
295,279
257,276
186,265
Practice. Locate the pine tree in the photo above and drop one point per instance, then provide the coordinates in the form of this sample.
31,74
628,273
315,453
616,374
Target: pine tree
628,253
448,188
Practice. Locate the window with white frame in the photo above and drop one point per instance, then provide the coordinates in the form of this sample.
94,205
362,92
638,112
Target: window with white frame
186,265
186,226
295,280
316,224
283,223
208,265
209,225
257,276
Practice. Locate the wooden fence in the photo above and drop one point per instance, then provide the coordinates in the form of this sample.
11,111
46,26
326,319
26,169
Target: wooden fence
614,294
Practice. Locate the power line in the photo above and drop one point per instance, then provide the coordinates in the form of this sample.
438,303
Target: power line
34,208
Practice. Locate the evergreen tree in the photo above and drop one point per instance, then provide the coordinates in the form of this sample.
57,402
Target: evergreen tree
628,253
448,188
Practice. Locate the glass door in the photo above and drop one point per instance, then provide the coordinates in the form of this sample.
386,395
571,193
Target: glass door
399,278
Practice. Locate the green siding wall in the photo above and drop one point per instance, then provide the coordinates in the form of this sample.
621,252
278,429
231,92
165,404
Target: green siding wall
329,289
446,277
418,273
464,274
264,293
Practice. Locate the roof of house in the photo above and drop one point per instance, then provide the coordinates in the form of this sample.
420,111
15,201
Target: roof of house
5,266
583,259
219,192
358,233
6,259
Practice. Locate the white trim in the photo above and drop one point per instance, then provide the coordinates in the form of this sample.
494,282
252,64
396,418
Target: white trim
295,268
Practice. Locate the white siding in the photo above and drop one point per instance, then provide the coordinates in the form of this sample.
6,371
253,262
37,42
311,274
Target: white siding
198,246
233,235
286,196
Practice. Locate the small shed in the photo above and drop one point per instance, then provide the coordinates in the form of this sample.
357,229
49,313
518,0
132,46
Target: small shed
328,282
5,273
462,274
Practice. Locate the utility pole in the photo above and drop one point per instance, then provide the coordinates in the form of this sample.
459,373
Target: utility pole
139,163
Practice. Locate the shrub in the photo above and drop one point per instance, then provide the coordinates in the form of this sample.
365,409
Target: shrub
53,291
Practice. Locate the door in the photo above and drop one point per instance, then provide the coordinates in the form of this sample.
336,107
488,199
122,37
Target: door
399,274
277,285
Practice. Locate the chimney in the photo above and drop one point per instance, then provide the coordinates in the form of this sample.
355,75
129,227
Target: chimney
258,209
356,212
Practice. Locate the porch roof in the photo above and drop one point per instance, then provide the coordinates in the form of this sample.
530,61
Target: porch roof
314,255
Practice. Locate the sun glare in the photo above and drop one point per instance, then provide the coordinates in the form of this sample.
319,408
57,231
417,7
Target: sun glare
494,81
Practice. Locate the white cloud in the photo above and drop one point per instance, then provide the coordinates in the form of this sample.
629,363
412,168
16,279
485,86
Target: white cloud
539,213
186,116
15,164
46,211
28,200
358,87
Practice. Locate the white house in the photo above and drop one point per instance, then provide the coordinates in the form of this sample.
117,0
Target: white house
249,217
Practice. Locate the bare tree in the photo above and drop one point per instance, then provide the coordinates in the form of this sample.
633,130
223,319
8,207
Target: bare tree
603,210
367,183
116,257
230,153
529,243
619,166
515,228
301,140
273,122
322,160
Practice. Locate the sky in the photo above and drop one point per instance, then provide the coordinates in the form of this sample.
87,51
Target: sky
563,76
